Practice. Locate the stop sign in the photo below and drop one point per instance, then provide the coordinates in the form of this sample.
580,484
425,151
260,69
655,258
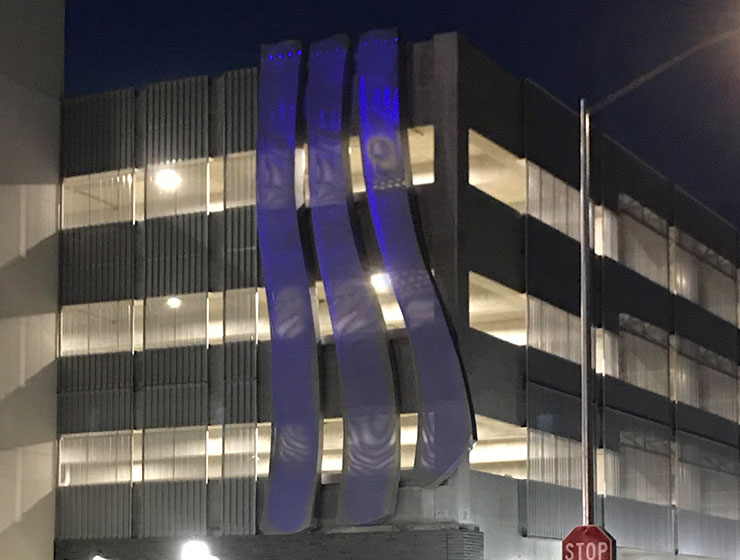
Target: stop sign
589,542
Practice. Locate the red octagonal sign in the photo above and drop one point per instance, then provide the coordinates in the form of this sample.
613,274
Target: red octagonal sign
589,542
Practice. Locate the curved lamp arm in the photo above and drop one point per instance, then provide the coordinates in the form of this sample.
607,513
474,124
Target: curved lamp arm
647,76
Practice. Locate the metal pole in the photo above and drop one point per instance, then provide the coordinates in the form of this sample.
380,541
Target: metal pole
587,448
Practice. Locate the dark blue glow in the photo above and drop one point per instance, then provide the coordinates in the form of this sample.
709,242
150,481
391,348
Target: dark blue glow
296,413
371,458
445,420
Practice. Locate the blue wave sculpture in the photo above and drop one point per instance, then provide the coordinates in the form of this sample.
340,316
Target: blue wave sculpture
371,455
296,413
445,419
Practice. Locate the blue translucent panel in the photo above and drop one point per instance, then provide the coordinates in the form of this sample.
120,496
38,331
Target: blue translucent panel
296,414
371,456
445,420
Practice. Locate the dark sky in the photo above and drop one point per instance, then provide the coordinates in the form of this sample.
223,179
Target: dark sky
685,123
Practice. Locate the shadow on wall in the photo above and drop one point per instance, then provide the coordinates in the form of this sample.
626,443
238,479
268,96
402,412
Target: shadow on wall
27,413
26,283
28,327
24,535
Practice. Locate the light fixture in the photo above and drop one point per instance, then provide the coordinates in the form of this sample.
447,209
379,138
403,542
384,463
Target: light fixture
174,302
196,550
381,282
167,179
99,557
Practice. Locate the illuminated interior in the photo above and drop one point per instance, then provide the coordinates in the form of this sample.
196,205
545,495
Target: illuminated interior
177,187
183,325
553,201
206,184
94,328
497,310
497,172
389,307
215,184
605,238
421,154
99,198
192,319
213,452
240,176
501,448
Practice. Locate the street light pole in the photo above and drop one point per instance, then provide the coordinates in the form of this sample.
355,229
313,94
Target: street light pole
587,439
586,228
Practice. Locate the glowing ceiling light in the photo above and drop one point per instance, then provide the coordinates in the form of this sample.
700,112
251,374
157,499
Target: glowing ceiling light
167,179
99,557
196,550
381,282
174,302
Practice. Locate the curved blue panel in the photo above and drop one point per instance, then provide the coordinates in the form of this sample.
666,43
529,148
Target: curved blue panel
296,413
371,458
445,420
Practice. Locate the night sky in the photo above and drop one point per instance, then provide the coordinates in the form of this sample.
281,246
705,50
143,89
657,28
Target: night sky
685,123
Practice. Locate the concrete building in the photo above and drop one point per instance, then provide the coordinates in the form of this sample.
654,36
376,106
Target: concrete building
164,383
31,78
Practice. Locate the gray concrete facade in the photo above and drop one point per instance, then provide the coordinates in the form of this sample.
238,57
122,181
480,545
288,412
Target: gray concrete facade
31,77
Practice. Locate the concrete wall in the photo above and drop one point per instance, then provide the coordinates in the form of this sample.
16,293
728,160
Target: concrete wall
495,510
31,74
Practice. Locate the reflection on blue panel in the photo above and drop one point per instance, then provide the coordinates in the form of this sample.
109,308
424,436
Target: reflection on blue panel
371,459
445,421
296,420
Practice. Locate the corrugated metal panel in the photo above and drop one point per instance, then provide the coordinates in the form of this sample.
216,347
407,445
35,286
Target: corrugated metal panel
93,512
638,515
429,544
237,498
639,524
140,264
98,133
176,254
239,359
553,502
552,511
140,128
216,116
97,263
241,110
706,487
242,255
175,387
172,509
95,393
216,384
177,120
216,251
264,381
